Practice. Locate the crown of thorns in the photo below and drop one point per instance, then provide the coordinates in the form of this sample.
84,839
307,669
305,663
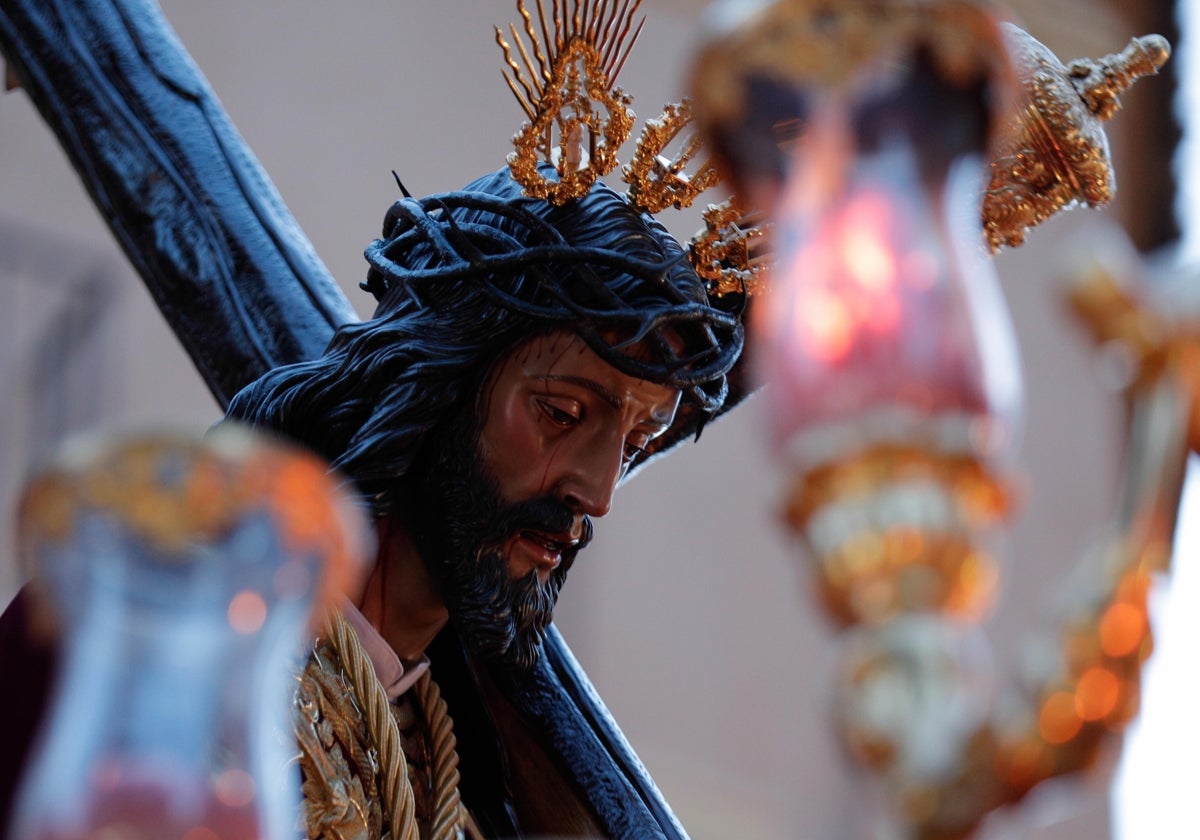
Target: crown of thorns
561,287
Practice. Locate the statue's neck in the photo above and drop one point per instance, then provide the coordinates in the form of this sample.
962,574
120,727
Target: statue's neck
399,597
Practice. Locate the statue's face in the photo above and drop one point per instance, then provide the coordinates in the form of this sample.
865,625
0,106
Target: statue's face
504,501
559,421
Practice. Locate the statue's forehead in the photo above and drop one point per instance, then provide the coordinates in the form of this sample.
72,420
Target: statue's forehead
564,357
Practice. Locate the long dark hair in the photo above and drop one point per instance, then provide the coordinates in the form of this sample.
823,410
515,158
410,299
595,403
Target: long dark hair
462,277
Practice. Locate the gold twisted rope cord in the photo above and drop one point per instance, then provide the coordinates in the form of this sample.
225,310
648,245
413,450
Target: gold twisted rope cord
373,700
448,815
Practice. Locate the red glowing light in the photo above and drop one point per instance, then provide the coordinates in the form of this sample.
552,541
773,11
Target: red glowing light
826,324
147,812
864,245
247,612
234,788
847,282
871,305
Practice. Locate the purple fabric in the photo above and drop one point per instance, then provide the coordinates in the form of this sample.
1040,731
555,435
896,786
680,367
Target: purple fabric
27,667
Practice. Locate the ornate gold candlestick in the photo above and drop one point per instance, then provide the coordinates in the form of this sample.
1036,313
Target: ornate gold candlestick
892,391
183,575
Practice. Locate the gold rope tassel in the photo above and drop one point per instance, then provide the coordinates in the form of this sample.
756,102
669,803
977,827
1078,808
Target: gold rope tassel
449,816
396,787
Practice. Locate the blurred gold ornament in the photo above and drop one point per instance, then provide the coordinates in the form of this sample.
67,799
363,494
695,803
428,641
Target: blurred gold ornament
893,531
814,44
174,493
1154,343
893,488
1056,154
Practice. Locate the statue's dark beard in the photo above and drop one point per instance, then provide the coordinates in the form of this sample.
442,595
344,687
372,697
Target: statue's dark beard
460,525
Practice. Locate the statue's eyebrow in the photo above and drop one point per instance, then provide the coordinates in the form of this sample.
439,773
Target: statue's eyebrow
583,382
660,420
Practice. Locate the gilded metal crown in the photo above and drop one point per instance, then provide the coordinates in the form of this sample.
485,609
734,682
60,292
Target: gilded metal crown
565,81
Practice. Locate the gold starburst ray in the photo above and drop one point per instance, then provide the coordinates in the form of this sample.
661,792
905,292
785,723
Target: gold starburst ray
596,23
534,75
515,82
613,55
620,64
606,25
577,19
583,17
613,21
539,53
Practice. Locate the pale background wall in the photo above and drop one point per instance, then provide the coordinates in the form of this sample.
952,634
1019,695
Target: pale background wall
690,612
